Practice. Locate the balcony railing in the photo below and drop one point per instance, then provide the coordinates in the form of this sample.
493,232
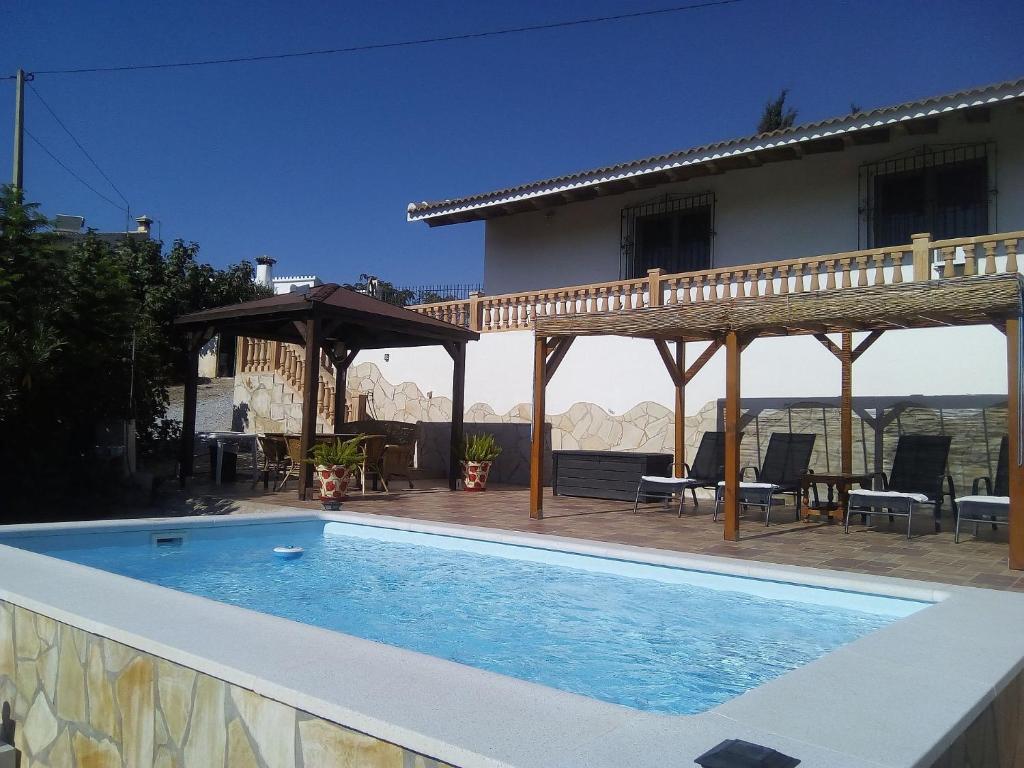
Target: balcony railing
918,261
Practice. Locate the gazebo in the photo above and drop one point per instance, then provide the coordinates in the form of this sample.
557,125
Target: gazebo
734,323
337,321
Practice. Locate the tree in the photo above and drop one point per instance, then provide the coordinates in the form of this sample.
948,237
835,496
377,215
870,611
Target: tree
87,335
372,285
776,114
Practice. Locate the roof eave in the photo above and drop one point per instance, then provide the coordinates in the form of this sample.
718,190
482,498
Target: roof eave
471,209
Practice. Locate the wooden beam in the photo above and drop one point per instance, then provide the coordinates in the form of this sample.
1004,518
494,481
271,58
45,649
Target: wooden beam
830,345
458,413
670,363
846,405
679,443
555,359
865,344
731,501
310,381
702,360
342,361
1013,424
540,354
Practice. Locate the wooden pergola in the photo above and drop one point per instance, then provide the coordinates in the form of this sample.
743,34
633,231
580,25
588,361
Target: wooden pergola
734,323
339,322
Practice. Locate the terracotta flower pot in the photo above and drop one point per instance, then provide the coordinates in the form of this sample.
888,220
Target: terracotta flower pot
474,475
333,481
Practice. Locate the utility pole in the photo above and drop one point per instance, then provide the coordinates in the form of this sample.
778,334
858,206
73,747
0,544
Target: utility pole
18,174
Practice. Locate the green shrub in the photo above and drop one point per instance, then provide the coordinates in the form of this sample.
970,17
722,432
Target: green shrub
346,454
482,447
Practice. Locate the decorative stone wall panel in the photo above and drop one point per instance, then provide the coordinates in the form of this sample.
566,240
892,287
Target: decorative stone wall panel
77,700
647,426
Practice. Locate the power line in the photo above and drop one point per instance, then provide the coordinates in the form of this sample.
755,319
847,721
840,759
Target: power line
82,181
399,43
79,145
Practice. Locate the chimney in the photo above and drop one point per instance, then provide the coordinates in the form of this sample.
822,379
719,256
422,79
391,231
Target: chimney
265,270
145,223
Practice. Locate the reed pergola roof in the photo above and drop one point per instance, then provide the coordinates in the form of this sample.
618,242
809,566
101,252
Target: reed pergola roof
975,300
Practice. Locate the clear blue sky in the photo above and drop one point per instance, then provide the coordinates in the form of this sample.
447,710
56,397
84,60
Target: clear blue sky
314,160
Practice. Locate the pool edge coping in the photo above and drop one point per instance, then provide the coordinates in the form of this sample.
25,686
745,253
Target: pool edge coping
441,747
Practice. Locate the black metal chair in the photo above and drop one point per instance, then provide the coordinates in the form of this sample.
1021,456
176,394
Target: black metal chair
917,478
993,505
785,463
707,470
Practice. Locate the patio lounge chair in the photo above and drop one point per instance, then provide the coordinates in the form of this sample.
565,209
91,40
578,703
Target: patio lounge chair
273,450
992,506
785,463
707,469
918,472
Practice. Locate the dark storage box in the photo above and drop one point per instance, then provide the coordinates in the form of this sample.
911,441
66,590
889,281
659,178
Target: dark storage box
606,474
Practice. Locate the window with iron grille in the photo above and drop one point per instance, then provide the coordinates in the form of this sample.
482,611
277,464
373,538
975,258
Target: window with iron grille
674,232
948,191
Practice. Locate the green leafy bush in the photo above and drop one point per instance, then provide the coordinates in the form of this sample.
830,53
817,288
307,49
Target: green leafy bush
481,447
340,453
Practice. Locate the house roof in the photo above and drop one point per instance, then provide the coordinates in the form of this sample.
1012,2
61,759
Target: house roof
358,320
870,126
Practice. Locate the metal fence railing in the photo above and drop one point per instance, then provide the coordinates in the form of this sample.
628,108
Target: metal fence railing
427,294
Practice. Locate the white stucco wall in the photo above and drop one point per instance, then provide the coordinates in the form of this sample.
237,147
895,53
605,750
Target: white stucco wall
617,374
781,210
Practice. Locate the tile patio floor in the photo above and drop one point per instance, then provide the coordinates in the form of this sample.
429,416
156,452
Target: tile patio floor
883,550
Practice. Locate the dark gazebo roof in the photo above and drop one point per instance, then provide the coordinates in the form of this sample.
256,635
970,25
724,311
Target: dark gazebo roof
361,321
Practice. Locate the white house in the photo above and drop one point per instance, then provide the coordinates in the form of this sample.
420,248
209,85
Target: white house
857,185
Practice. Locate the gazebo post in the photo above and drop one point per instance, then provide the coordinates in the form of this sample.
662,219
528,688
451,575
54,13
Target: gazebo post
340,385
186,461
1013,429
458,352
732,436
310,381
540,354
680,414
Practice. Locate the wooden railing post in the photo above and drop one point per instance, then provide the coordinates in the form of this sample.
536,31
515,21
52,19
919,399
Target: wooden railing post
922,256
654,286
475,311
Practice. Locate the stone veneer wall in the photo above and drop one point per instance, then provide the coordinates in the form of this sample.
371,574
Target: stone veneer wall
78,700
645,427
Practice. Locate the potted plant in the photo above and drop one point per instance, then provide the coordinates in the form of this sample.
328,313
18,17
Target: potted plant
478,453
334,463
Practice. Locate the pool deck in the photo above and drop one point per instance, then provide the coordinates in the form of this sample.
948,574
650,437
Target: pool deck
882,550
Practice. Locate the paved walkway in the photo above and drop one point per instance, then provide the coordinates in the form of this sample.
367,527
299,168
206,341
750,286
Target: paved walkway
882,550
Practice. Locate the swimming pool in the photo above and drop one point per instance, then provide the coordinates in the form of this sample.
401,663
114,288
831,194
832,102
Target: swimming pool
650,637
303,689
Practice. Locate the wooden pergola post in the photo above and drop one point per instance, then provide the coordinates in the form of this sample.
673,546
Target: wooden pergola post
186,462
457,350
310,381
846,405
1013,429
547,356
341,359
731,500
540,356
679,442
847,356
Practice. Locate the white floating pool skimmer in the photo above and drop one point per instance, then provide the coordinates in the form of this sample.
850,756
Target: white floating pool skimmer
288,553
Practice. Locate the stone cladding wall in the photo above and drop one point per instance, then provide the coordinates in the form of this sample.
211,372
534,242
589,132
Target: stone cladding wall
648,426
78,700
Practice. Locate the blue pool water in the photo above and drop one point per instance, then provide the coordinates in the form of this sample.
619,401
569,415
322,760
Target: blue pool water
654,638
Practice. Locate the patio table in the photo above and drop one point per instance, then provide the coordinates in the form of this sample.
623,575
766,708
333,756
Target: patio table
221,439
838,483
